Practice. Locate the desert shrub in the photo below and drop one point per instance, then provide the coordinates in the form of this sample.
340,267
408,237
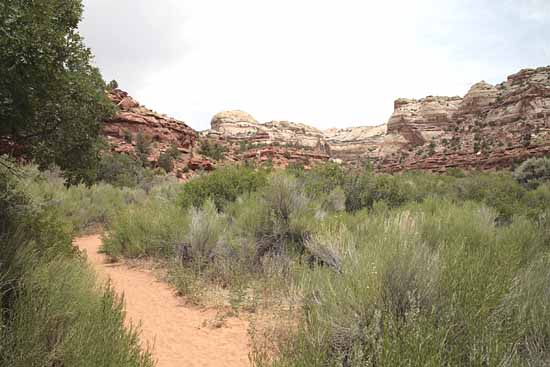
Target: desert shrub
389,189
323,179
364,190
167,158
434,284
212,150
222,186
143,148
533,172
523,316
87,209
120,170
166,162
335,201
330,245
27,228
287,215
204,236
537,204
62,318
52,312
498,190
357,188
127,135
153,228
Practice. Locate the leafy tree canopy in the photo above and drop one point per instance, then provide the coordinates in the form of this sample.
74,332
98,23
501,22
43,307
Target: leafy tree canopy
51,97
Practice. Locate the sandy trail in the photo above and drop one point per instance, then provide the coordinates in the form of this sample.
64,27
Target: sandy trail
173,331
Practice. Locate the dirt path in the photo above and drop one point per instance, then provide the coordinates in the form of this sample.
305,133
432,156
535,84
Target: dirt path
173,331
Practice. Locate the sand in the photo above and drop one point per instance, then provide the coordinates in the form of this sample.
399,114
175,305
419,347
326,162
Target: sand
174,332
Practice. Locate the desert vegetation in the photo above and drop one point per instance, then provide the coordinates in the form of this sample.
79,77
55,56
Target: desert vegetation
53,311
355,267
372,269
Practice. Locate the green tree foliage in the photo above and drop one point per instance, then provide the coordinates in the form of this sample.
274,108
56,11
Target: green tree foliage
113,84
51,97
166,159
533,172
143,148
214,151
222,186
120,170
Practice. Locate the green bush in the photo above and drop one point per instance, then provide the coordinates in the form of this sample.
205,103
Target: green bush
166,162
222,186
537,204
323,179
120,170
431,284
533,172
212,150
52,313
498,190
155,227
364,190
143,148
62,318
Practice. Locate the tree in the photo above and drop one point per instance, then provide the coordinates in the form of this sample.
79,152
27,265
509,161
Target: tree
51,98
113,84
143,148
533,172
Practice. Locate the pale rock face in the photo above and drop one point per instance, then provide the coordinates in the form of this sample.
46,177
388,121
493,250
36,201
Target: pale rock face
355,143
234,123
478,98
419,120
239,125
491,127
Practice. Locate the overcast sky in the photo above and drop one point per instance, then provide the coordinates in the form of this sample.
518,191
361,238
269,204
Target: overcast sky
329,63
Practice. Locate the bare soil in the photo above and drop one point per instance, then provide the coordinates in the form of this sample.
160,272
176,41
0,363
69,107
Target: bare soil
176,333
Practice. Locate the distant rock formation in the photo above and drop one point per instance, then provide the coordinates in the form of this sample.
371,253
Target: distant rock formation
490,127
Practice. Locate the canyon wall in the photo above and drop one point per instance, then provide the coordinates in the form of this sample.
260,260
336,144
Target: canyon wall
490,127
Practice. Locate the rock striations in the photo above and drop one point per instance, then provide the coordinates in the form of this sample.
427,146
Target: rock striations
164,133
490,127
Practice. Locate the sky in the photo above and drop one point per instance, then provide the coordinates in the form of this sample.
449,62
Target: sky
327,63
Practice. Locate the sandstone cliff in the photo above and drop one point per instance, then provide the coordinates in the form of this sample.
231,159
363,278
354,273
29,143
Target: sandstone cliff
490,127
164,132
277,142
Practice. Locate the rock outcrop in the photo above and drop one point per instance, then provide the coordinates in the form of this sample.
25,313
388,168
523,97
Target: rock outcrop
276,142
163,132
356,143
490,127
